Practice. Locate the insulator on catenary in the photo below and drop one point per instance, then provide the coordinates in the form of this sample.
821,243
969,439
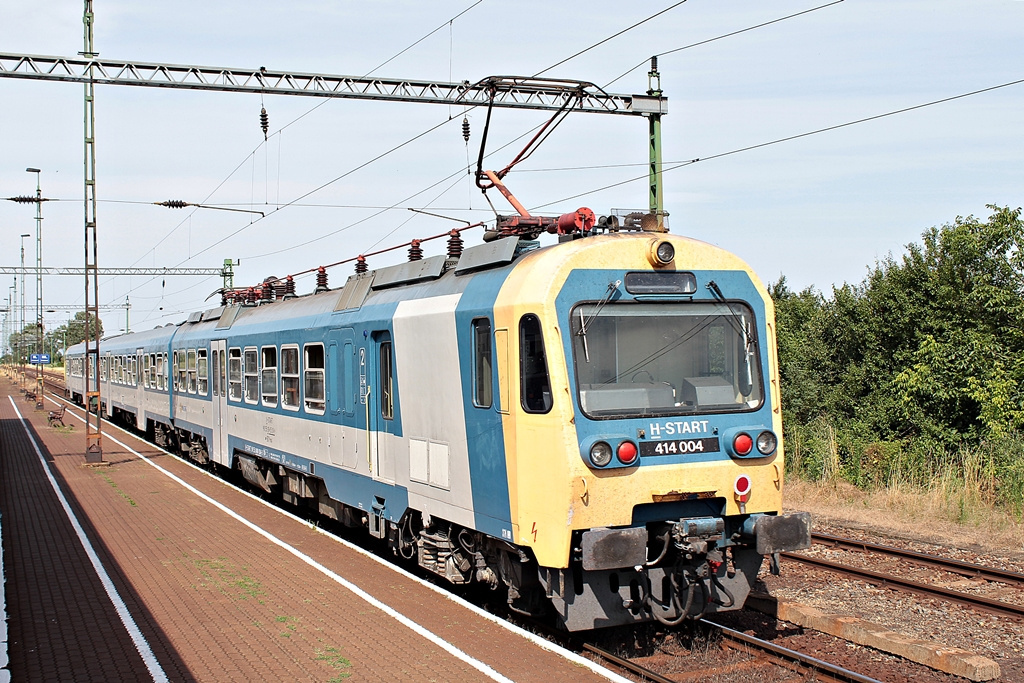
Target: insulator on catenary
361,266
454,244
264,121
174,203
415,251
321,279
23,200
465,129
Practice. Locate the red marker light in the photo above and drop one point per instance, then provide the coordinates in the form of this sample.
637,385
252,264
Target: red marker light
742,488
627,452
743,444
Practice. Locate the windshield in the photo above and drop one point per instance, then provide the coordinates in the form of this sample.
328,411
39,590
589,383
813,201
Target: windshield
635,360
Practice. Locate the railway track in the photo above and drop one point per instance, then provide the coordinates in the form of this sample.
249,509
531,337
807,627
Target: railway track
763,650
991,574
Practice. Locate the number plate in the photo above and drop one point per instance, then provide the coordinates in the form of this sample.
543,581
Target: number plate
679,446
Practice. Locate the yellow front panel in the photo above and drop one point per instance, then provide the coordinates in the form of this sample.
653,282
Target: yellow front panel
551,489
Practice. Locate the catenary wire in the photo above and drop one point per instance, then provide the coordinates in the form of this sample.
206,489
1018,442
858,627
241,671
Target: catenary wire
605,40
724,35
676,165
290,123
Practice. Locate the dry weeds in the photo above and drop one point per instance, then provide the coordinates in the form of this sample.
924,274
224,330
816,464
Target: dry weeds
931,515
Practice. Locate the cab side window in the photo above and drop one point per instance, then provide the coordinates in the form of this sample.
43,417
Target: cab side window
535,388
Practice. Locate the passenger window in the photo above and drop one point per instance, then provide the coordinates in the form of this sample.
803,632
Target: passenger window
252,377
217,360
202,371
146,375
235,374
269,375
314,375
290,377
533,369
165,380
482,383
191,370
387,396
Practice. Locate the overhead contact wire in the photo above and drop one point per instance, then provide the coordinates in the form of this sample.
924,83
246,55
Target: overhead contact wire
605,40
724,35
788,138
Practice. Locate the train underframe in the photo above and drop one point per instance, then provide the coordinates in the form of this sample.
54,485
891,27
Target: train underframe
668,571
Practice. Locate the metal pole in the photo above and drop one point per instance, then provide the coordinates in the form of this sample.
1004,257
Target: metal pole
39,288
21,324
657,203
93,421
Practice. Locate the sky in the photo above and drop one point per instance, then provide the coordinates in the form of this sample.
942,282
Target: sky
820,209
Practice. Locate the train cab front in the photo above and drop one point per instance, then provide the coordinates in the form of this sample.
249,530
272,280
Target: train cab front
675,466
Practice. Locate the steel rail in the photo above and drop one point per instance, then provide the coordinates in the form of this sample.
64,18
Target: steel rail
886,580
784,654
951,565
632,667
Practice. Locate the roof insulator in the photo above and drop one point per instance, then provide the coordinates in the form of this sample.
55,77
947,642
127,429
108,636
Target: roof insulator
454,244
289,286
361,266
321,280
415,251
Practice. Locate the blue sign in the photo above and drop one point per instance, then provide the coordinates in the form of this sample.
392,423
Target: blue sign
39,359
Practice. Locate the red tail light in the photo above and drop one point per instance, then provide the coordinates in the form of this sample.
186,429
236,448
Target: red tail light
742,444
627,452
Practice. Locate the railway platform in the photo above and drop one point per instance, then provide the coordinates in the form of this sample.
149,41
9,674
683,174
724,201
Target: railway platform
147,568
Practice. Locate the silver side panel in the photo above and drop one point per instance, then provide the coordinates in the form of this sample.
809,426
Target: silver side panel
434,460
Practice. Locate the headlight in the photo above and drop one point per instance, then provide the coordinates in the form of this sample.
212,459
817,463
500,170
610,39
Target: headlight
600,454
661,253
767,442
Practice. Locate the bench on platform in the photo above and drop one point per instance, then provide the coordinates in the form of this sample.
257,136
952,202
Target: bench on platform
56,416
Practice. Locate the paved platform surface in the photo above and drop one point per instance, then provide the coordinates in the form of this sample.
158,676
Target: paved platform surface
214,584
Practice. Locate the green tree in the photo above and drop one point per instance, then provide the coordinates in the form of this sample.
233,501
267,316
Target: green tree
76,328
925,355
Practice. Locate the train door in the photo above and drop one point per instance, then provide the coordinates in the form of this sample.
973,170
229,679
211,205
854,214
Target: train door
381,404
219,399
107,379
139,376
340,392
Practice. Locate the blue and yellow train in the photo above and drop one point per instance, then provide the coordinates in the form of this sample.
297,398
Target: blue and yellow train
592,426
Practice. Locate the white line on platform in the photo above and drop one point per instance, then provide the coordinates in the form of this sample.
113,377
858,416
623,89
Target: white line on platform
532,637
138,639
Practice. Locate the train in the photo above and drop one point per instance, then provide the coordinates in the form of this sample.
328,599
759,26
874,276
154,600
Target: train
591,426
